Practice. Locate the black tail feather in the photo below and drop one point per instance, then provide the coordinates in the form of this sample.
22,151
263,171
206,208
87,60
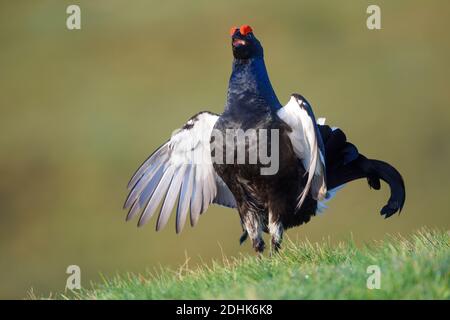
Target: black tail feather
373,170
391,176
344,164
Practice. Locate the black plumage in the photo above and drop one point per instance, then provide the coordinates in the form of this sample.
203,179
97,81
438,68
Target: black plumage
313,159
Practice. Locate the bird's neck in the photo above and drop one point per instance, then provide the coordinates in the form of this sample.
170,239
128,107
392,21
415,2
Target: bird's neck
250,89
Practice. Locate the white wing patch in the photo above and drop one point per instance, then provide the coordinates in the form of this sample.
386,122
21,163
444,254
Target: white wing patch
305,141
321,121
322,204
181,169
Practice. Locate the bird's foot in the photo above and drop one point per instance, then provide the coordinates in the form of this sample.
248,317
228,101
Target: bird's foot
259,245
276,246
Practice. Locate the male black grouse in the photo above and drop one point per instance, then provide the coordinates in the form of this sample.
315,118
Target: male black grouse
313,159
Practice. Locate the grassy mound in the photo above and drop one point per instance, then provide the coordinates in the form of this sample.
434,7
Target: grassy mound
416,267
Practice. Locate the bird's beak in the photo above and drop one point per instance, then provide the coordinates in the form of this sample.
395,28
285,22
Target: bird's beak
239,42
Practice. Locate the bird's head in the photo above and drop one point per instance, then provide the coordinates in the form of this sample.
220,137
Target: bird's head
244,43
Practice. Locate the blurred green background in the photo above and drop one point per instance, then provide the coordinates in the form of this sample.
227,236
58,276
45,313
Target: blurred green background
80,110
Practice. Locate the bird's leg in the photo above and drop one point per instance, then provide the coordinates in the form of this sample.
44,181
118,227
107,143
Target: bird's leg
244,234
243,237
254,230
276,232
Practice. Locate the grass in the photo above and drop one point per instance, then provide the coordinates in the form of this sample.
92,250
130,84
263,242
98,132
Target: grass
416,267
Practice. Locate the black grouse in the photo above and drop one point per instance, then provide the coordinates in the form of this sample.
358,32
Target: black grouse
275,164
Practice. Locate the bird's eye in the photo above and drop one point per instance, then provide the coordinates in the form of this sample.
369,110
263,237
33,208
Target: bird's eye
245,29
233,31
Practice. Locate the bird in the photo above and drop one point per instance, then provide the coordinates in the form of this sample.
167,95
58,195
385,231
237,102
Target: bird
310,161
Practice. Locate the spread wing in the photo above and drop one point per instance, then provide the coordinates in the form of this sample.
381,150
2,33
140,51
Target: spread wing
307,143
181,169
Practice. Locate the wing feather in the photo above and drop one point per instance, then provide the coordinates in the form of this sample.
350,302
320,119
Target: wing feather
185,197
157,195
171,198
224,197
138,174
308,146
145,195
181,169
197,196
144,180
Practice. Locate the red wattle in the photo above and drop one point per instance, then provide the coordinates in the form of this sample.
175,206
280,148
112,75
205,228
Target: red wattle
245,29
